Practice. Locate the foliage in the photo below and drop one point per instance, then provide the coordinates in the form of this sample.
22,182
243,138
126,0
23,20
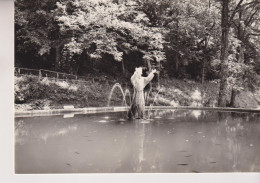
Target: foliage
181,38
241,15
104,27
31,89
181,92
193,35
36,33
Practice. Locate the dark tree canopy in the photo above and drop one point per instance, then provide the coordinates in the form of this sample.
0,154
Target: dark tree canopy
201,40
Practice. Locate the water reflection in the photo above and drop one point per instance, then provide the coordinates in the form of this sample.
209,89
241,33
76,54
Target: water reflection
21,131
141,147
70,115
26,132
196,113
241,130
59,132
178,141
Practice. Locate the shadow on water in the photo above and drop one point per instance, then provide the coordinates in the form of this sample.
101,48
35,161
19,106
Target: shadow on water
178,141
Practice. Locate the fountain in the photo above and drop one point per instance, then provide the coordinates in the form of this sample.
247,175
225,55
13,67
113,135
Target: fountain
151,105
197,98
127,92
117,85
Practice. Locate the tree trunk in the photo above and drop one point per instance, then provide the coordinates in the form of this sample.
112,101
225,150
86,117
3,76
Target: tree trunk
241,56
233,97
149,86
203,71
176,63
204,61
240,36
224,55
176,56
148,65
123,68
57,57
158,74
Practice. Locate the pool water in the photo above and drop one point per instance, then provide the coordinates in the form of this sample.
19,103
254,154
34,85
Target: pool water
172,141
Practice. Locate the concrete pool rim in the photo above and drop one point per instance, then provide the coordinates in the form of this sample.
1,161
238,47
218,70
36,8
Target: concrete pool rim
93,110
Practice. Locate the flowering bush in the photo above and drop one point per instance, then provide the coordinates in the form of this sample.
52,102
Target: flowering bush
62,84
20,90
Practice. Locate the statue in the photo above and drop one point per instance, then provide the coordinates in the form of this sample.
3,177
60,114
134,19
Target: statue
148,87
138,103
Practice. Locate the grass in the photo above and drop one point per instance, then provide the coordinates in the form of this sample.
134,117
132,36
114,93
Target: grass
183,93
32,93
54,94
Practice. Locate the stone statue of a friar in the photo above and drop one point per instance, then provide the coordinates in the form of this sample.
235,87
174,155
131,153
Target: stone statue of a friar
138,102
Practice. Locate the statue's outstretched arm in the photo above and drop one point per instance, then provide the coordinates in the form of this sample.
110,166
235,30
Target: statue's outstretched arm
148,78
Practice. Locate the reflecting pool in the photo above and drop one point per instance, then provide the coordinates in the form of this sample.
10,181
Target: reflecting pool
171,141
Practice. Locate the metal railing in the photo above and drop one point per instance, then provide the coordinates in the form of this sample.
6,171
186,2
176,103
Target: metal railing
53,74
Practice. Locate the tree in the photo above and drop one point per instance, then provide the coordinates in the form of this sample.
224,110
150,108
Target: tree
37,33
225,25
108,28
228,17
246,32
115,36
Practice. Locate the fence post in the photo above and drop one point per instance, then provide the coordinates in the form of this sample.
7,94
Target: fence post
40,73
76,77
57,75
19,71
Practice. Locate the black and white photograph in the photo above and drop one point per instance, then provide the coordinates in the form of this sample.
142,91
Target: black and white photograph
136,87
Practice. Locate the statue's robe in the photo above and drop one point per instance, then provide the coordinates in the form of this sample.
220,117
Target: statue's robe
138,103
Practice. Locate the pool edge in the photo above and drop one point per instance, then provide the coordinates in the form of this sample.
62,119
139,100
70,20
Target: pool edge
93,110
